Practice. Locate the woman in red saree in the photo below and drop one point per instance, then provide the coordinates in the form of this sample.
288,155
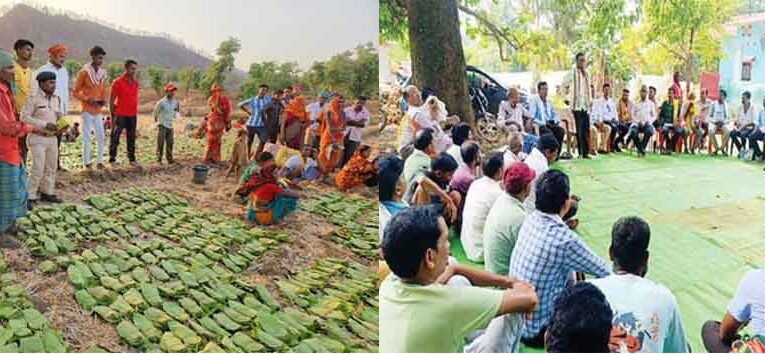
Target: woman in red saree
294,121
217,121
332,131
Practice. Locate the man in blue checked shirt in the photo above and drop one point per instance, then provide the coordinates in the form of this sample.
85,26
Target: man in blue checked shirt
545,118
254,106
548,253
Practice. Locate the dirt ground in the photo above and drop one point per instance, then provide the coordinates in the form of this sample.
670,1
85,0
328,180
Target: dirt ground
54,296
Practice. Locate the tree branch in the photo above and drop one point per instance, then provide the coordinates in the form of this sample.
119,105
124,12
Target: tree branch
674,51
490,26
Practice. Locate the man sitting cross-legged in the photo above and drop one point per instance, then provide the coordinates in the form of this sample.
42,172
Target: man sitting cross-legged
432,187
478,201
639,326
513,151
418,312
548,253
746,307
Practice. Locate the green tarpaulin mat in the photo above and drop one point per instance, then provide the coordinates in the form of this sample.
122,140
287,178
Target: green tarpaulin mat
707,218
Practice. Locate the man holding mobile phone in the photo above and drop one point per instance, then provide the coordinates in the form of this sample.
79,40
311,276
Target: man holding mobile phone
90,89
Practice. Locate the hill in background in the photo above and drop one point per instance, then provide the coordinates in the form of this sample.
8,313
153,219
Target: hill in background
44,28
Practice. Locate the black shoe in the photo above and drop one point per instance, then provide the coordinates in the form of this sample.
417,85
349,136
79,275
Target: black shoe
50,198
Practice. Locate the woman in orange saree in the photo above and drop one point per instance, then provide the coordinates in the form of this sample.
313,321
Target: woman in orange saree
217,122
293,123
359,170
332,135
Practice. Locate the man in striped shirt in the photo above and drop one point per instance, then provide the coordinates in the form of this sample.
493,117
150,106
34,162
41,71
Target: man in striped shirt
254,107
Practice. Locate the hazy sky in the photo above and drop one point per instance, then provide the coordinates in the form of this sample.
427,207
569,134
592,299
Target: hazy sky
278,30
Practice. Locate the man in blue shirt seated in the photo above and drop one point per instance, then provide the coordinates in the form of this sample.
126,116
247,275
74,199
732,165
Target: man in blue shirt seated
545,118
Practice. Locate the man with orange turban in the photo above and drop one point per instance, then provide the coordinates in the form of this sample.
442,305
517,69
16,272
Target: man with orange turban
56,57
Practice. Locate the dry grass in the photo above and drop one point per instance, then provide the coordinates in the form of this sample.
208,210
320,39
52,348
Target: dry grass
311,234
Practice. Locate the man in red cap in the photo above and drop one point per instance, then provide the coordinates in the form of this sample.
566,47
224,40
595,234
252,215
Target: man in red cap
56,57
506,217
500,233
164,113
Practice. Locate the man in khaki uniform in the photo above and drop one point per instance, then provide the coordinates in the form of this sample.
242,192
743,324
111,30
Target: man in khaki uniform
42,111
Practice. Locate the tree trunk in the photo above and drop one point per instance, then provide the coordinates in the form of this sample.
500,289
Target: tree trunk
689,62
438,61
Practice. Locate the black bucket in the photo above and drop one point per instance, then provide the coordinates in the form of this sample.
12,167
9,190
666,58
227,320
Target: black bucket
200,174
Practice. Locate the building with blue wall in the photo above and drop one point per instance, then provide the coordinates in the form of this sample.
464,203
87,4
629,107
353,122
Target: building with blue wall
743,65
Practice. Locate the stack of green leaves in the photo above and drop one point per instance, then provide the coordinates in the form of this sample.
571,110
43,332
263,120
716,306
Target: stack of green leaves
24,329
54,231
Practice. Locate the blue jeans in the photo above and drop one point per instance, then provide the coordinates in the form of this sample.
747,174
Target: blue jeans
647,131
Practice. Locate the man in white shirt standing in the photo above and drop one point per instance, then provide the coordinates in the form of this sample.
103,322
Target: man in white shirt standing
758,134
603,120
55,64
314,109
639,325
580,101
540,159
641,129
720,117
481,195
744,124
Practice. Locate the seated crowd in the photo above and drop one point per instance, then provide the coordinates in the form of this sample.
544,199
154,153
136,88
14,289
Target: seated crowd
516,215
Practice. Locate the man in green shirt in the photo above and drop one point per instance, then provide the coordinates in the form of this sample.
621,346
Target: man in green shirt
505,218
667,113
418,313
419,161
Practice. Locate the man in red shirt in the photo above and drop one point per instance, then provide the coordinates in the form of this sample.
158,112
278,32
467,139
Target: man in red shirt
123,107
13,190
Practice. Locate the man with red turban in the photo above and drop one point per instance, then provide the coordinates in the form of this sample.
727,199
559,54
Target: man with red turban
56,57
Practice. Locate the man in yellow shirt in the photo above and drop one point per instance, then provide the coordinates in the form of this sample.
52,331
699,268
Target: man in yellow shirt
22,79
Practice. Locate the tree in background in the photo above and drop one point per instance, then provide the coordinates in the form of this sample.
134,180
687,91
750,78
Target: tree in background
438,60
114,70
275,75
600,39
216,72
365,68
689,30
189,78
156,76
352,73
316,76
171,75
73,67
